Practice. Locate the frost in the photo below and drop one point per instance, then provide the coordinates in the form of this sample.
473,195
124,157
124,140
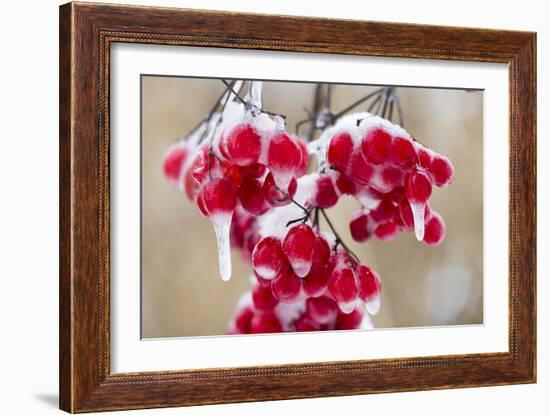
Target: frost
348,307
222,226
418,217
373,305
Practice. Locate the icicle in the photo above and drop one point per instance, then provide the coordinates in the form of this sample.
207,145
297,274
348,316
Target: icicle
222,226
418,218
255,93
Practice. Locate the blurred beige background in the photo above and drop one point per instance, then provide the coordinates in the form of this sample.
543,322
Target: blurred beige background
182,293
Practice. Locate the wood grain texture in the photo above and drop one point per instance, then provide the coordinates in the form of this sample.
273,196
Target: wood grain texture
86,33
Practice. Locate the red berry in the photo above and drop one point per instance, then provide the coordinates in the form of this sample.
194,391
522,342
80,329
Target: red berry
403,153
265,323
392,177
418,187
321,309
325,193
304,323
360,171
358,226
190,185
345,185
441,171
298,246
276,197
243,145
287,286
284,153
434,231
243,320
349,321
220,197
199,200
343,287
385,211
386,231
321,252
316,282
252,197
376,146
424,157
268,258
339,151
231,172
369,282
263,298
173,162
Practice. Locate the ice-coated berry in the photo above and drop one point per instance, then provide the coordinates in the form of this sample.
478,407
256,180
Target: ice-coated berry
418,187
174,160
304,323
386,231
321,252
325,193
339,151
298,245
268,258
343,287
360,171
322,309
284,157
376,146
243,320
403,153
441,171
286,287
345,185
359,226
220,197
243,145
276,196
252,197
266,322
349,321
263,299
316,282
369,282
434,232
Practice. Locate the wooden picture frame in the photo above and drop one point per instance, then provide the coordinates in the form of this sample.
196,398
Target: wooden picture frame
86,33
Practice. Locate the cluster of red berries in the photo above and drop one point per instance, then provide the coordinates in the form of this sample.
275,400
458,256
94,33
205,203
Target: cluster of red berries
305,280
309,273
388,172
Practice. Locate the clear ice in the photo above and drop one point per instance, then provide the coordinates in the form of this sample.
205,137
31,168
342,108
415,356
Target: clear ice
222,227
418,218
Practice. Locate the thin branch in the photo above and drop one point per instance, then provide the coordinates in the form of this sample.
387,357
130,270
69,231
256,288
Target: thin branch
250,104
359,102
338,239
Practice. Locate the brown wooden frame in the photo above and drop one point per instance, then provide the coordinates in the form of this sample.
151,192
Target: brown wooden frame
86,33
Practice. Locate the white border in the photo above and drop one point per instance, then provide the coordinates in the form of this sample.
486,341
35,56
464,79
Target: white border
130,354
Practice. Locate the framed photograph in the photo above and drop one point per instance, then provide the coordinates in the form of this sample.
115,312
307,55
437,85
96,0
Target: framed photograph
254,208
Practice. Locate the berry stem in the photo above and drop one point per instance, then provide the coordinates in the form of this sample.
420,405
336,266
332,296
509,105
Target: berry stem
250,104
339,240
